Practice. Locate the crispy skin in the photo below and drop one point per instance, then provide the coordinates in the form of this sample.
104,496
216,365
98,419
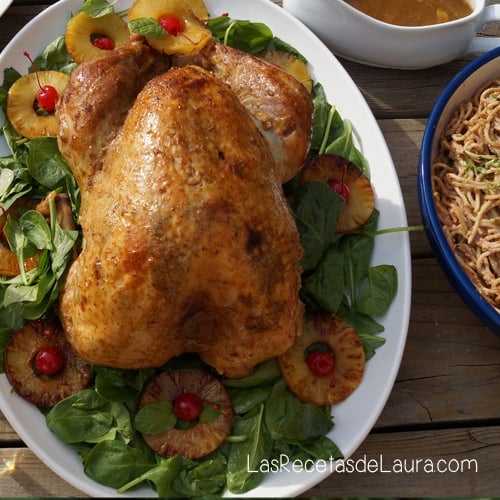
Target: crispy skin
93,107
280,105
189,245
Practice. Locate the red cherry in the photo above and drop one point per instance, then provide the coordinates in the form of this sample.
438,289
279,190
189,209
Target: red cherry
320,363
47,97
171,24
188,406
49,361
104,43
341,188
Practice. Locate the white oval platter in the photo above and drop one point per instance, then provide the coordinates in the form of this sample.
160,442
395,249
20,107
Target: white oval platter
355,417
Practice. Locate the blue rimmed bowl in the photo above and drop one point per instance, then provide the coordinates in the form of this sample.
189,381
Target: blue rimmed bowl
461,87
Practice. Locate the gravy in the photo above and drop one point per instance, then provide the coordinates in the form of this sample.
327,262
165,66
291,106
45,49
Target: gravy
413,12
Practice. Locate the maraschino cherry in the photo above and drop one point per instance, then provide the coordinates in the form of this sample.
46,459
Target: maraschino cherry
47,95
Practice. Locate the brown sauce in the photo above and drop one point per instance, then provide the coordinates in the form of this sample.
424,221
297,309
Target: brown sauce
413,12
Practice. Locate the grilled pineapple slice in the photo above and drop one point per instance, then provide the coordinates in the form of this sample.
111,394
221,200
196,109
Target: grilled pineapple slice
9,265
291,64
82,30
201,438
348,180
328,335
27,361
190,37
198,8
22,103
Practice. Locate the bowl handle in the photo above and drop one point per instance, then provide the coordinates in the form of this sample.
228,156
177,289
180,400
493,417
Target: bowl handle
482,44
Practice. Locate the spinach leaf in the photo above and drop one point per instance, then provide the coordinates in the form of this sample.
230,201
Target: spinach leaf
97,8
251,37
343,283
21,292
10,75
34,169
16,142
246,456
115,464
316,208
206,477
45,163
15,182
123,427
325,287
371,343
343,145
331,134
118,385
356,251
54,57
155,418
38,288
327,122
11,319
264,373
209,413
47,167
377,290
278,44
20,241
289,419
367,328
63,242
83,417
34,229
322,448
161,475
245,400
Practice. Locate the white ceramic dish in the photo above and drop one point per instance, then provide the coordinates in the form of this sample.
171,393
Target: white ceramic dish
356,416
4,5
354,35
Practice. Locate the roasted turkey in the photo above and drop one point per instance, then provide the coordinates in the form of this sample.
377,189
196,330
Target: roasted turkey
278,105
188,242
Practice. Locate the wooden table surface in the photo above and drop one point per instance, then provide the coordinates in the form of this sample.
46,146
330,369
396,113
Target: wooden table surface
445,404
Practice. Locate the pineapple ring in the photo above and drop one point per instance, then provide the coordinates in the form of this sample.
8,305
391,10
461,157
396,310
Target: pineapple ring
9,265
21,103
291,64
361,200
198,8
204,437
349,361
80,29
194,34
19,357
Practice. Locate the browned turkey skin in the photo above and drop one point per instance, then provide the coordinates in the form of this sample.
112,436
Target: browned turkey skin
280,107
189,244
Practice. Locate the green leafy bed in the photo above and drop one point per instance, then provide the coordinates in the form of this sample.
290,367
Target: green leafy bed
269,423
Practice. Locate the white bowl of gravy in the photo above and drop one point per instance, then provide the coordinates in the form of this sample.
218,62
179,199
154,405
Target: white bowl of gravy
413,34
